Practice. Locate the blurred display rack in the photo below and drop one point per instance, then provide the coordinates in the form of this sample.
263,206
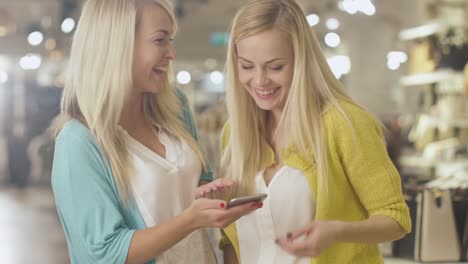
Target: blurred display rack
417,160
425,30
431,27
460,123
429,78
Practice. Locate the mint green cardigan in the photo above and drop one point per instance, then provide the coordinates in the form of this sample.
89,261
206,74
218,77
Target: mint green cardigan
97,225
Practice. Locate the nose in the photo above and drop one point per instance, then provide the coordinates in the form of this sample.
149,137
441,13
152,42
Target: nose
260,78
171,52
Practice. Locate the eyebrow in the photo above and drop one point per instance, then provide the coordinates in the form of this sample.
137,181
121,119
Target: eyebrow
165,32
270,61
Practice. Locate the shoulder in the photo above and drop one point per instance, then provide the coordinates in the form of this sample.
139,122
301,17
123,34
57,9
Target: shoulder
74,129
75,138
77,157
349,115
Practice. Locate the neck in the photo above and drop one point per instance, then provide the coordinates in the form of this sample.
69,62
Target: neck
132,113
275,130
273,121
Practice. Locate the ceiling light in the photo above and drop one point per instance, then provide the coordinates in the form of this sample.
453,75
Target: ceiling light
216,77
399,56
332,23
35,38
393,64
332,40
183,77
313,19
30,62
339,65
68,25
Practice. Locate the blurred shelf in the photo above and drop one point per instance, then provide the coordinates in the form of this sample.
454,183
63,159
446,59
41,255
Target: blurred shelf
421,162
430,28
389,260
429,78
461,123
422,31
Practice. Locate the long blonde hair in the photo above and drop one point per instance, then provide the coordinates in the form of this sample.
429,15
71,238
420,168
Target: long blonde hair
313,88
99,79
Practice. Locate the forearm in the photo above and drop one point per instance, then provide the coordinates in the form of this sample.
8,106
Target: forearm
229,255
374,230
151,242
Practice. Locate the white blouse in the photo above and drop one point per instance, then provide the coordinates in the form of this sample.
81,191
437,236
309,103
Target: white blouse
163,188
290,205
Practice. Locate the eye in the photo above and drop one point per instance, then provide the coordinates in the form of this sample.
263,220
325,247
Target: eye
244,67
278,68
163,40
159,40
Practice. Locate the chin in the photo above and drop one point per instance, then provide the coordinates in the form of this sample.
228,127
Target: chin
153,90
266,107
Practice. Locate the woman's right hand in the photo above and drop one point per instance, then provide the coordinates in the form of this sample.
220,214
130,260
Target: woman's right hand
214,213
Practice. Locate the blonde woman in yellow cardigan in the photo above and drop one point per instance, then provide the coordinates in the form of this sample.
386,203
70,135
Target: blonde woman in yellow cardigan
333,192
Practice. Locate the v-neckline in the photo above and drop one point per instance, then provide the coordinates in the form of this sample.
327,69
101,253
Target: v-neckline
142,149
275,176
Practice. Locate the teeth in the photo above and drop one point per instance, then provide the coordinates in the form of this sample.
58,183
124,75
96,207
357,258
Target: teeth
265,92
159,68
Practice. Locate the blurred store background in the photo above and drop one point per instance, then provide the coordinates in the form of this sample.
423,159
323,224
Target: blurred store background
404,60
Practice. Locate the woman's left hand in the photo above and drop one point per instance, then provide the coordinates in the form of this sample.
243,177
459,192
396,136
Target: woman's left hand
216,189
312,239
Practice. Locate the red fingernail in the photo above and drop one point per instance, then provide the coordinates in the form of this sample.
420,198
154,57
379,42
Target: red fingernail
260,205
222,205
254,205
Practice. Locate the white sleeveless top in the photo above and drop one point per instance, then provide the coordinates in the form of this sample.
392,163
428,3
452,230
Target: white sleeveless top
163,188
290,205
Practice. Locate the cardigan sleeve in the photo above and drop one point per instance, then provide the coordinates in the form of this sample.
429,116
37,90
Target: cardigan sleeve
87,203
365,160
207,174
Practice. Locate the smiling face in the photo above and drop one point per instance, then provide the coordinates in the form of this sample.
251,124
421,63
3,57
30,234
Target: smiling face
153,49
266,66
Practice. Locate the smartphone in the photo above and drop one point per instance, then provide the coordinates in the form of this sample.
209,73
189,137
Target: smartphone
247,199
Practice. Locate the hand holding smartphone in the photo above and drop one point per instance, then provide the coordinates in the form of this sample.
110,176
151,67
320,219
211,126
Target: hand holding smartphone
247,199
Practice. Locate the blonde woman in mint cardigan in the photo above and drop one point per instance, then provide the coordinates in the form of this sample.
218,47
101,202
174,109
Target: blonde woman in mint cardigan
333,193
127,161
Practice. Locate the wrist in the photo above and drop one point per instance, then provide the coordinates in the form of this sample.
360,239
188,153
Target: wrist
189,220
341,230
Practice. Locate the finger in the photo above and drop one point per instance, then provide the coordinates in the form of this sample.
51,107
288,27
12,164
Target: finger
212,204
243,209
201,190
206,192
298,248
222,183
200,193
209,194
225,182
307,229
215,193
231,215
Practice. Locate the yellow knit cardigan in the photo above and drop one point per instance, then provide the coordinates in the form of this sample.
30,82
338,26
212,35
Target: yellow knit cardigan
362,182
